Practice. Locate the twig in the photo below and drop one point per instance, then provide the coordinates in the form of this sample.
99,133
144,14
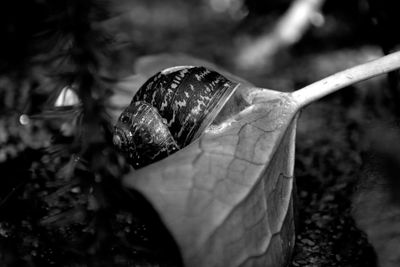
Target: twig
288,30
345,78
12,191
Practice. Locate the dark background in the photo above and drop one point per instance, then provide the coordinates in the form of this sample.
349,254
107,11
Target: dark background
61,201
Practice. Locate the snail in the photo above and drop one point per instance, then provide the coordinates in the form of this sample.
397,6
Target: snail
228,198
169,111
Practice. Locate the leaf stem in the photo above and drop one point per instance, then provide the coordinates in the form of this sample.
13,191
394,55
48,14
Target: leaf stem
345,78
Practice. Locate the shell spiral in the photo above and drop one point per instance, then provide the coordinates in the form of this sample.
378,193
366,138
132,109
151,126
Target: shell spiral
169,111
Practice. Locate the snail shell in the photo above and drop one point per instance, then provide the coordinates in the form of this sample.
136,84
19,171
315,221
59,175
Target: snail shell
169,111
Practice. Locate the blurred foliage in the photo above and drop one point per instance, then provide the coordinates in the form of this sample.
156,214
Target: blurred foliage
61,201
385,17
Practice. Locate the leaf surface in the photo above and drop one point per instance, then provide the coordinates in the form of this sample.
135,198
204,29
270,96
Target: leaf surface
227,197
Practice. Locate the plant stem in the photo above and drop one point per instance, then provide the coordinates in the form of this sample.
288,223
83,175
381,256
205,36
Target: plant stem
345,78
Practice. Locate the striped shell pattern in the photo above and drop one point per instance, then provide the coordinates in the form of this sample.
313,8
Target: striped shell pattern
170,110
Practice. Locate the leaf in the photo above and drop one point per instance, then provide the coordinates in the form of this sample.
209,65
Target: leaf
227,197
